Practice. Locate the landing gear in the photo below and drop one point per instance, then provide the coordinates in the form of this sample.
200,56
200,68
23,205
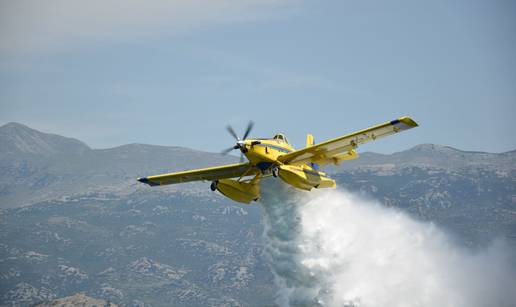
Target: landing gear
275,171
213,185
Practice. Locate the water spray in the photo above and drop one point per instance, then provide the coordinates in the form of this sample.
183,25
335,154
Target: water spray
333,248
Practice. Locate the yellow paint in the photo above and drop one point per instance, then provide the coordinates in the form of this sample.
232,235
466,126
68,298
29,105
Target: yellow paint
240,191
305,177
309,140
276,156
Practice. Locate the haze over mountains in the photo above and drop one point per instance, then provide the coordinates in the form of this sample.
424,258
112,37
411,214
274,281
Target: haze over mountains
39,166
74,219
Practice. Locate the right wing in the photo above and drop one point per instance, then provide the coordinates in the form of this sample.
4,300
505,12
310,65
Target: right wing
344,145
211,173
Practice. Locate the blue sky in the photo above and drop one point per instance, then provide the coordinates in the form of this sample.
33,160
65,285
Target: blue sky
176,72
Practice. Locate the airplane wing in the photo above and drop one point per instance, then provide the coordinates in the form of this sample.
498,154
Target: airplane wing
345,144
211,173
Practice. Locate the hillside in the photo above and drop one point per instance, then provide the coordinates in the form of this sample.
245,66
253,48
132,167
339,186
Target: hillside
74,220
75,301
437,156
17,139
38,166
471,193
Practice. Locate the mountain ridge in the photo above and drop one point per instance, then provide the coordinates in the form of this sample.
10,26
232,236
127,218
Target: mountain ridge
419,147
39,166
85,225
16,138
13,130
437,156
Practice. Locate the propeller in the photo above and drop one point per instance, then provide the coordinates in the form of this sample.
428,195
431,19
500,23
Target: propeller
240,143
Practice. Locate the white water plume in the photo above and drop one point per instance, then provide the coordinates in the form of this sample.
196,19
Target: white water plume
332,248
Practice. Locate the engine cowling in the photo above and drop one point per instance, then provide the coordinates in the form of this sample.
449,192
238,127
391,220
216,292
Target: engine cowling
304,178
243,192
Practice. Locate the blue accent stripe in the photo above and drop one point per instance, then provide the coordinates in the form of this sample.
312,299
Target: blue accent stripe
275,147
311,172
394,122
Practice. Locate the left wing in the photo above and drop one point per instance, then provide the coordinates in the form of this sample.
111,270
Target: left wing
345,144
211,173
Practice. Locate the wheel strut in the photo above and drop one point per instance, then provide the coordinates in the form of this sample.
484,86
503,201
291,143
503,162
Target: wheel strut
275,171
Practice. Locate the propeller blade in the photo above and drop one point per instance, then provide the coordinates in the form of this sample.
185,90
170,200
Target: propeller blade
232,132
241,157
249,128
226,151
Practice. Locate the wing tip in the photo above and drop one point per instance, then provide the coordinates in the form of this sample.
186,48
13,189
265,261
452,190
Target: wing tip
408,121
147,181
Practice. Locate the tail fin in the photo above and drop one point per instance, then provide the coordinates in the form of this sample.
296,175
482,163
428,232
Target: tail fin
309,140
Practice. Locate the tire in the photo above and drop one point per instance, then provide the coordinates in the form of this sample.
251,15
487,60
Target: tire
213,185
275,172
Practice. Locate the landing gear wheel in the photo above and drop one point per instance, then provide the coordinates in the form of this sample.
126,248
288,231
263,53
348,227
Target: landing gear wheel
275,172
213,185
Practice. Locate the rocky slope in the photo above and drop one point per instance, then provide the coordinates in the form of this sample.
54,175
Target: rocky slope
38,166
77,300
435,156
471,193
17,139
75,221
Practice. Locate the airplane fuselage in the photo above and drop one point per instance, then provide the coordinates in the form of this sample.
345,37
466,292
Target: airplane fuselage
264,153
275,156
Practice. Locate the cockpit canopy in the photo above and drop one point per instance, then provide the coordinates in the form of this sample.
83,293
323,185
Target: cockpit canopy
280,137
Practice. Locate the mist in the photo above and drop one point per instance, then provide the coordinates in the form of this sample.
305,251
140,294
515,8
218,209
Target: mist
334,248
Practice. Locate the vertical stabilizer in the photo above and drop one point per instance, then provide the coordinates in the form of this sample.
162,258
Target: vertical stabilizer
309,140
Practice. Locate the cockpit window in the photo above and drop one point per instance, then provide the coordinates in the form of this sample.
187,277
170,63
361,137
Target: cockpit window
281,137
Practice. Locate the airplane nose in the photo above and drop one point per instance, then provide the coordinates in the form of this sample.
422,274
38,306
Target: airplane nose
244,148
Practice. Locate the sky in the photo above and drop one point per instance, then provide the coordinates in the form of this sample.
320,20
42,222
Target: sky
177,72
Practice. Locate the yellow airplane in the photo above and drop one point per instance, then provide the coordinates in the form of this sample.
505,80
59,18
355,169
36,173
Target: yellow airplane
275,156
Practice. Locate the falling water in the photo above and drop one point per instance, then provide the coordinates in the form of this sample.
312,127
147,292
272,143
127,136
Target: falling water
333,248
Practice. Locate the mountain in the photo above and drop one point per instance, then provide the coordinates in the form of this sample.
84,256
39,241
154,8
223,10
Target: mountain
74,220
147,248
473,194
438,156
75,300
17,139
38,166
